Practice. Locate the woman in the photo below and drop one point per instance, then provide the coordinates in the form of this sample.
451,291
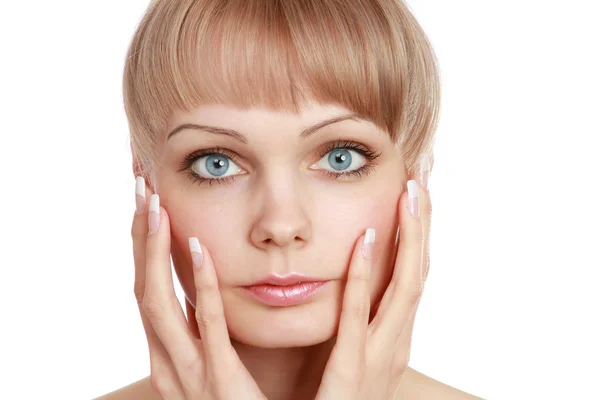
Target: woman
282,151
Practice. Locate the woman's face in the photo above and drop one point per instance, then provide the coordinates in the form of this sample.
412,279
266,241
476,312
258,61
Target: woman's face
277,210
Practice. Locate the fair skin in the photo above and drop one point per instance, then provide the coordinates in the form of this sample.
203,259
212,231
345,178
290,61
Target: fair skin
279,211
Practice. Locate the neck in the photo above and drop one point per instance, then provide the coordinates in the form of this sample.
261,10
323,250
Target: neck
286,373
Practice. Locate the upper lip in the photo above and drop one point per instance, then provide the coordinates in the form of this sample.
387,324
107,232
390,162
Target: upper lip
285,280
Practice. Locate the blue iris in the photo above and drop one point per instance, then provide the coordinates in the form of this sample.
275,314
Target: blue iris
340,159
217,165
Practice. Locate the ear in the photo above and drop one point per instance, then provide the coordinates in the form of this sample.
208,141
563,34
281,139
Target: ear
138,169
135,163
415,174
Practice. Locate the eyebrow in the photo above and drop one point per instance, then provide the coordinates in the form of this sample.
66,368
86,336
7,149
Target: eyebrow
242,138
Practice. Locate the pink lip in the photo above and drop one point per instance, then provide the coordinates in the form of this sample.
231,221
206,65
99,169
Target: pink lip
287,290
289,295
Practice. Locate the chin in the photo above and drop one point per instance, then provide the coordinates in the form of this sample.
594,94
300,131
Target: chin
307,324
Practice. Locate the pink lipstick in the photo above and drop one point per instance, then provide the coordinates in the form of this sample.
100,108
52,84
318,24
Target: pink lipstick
288,290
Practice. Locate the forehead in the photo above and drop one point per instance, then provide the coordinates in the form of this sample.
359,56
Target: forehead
310,113
311,117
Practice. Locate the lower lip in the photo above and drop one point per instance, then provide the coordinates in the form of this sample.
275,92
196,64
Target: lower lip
281,296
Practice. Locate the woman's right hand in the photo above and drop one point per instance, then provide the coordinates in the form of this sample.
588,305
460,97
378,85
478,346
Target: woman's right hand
182,366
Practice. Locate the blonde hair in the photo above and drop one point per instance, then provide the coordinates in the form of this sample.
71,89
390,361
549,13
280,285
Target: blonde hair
370,56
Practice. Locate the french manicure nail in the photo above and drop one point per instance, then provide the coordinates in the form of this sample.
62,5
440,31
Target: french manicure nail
368,243
413,198
196,252
153,214
140,195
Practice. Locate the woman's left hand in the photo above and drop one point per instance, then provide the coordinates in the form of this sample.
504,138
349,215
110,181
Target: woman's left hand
368,360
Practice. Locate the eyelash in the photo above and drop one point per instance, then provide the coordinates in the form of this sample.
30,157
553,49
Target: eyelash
370,155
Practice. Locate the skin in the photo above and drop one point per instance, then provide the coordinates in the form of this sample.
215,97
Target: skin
282,213
281,217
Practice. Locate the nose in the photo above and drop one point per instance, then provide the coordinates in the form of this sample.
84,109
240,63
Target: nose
282,221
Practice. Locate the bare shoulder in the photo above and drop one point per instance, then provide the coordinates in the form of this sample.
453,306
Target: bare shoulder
141,389
417,386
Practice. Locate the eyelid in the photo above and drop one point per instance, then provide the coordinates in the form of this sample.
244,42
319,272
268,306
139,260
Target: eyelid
350,144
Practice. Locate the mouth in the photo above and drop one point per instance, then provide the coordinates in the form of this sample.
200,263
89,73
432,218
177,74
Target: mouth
278,295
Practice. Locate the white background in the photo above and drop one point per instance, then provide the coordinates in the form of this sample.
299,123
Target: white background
510,310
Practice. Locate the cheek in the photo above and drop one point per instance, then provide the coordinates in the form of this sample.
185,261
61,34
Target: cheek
212,225
344,221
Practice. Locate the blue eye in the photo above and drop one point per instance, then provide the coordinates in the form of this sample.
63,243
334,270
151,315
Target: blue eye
215,165
341,159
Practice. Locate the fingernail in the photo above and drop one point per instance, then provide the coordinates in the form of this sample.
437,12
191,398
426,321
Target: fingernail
153,214
368,243
140,195
196,252
413,198
424,169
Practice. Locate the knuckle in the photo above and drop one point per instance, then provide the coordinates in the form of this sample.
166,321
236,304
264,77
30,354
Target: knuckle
192,366
398,367
138,291
208,287
137,229
360,310
346,377
359,276
159,377
206,319
161,384
152,308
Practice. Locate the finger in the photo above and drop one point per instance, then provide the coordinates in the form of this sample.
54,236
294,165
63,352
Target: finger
424,171
400,357
162,371
423,176
160,304
139,230
349,351
406,284
209,313
403,348
163,375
